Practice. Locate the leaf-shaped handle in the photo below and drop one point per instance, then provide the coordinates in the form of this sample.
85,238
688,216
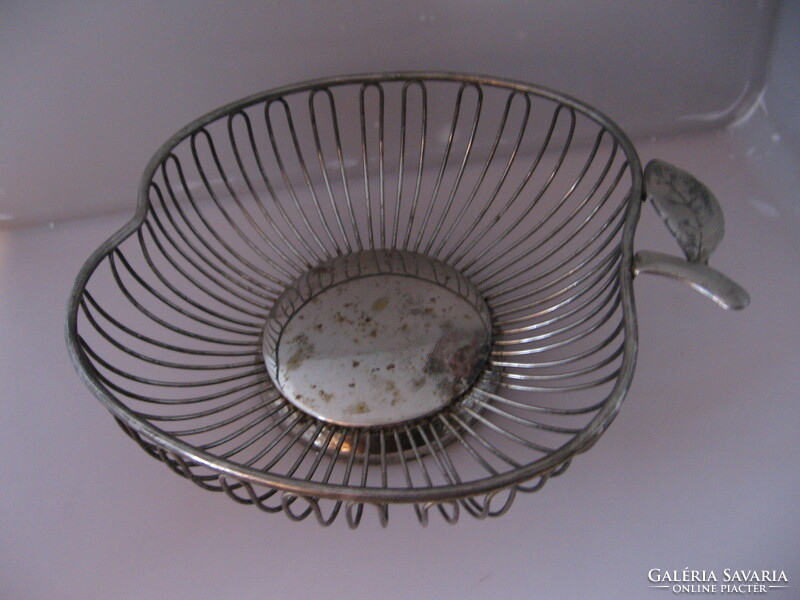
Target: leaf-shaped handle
688,208
693,215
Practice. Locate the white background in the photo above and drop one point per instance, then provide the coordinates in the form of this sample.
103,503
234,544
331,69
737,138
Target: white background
699,470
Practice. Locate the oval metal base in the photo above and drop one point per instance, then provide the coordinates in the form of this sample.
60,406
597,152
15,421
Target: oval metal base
377,338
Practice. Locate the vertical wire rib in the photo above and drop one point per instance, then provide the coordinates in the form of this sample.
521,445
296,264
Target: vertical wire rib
164,301
292,268
470,268
303,425
275,201
429,449
111,339
554,230
371,226
501,180
342,171
274,419
161,321
554,300
232,194
333,460
182,244
604,245
302,163
456,259
462,166
194,282
398,203
263,275
422,515
306,448
283,433
418,460
207,225
456,432
443,166
88,300
287,113
322,161
164,280
463,425
579,266
562,306
420,164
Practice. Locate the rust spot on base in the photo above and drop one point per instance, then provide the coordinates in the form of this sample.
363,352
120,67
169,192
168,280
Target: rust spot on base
359,408
457,359
303,350
380,303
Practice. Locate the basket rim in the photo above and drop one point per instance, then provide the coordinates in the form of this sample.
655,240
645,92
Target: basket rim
375,495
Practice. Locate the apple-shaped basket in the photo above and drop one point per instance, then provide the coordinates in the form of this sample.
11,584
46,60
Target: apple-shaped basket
402,288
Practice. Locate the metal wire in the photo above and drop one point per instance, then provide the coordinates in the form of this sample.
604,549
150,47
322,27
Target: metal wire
530,195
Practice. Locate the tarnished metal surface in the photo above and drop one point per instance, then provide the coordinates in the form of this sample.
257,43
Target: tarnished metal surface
688,208
694,217
377,338
709,282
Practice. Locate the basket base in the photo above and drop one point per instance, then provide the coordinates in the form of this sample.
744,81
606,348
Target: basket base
377,338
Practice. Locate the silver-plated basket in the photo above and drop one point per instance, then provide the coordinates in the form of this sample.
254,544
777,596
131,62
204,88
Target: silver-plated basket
397,288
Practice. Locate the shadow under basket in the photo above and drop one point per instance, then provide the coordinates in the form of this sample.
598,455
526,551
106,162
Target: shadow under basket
403,288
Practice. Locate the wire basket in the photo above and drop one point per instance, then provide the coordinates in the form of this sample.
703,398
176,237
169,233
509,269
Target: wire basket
399,288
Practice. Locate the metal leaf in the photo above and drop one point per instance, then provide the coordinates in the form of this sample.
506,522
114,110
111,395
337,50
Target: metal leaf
688,208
